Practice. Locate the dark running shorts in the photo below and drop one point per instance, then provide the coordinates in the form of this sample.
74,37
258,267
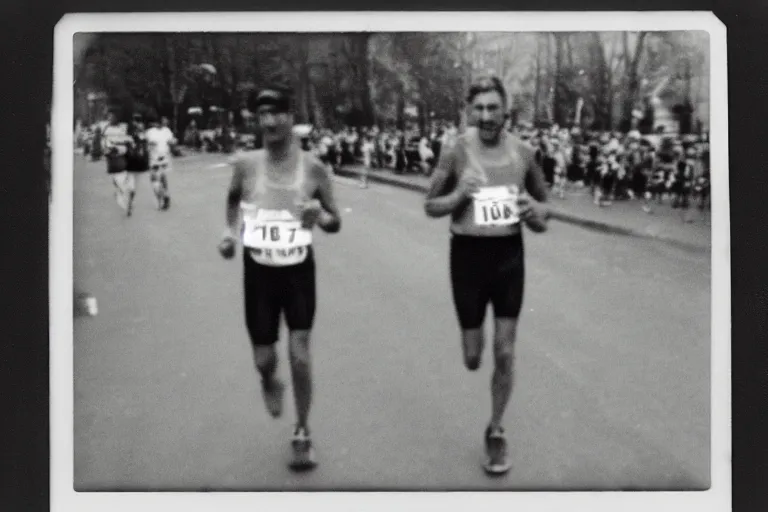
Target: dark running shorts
159,164
270,291
483,270
116,163
136,161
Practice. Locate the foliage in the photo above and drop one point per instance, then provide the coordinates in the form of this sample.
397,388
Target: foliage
365,78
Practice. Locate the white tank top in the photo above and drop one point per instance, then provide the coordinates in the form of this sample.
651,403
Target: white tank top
272,231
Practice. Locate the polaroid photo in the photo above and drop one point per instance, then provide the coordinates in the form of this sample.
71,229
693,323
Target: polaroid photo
390,261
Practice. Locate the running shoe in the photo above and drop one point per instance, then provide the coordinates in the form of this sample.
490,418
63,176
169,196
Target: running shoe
166,202
303,452
497,460
273,397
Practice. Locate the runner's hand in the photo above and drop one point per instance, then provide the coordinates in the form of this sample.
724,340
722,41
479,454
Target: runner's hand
309,212
469,184
227,247
527,207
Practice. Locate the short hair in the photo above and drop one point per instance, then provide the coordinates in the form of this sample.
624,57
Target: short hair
487,84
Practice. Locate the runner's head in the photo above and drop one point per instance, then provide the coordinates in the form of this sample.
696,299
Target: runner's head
164,122
487,100
274,107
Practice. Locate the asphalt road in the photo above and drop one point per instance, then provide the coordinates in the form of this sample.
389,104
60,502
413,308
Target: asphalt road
613,360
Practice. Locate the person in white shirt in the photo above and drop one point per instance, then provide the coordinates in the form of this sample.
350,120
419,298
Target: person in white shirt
160,140
425,154
561,165
367,150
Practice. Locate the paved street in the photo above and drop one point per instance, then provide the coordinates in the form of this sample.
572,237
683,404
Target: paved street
613,359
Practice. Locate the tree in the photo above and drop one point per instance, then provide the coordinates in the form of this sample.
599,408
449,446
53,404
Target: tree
559,84
365,78
631,66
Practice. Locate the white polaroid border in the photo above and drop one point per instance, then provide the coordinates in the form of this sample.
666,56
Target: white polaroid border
64,498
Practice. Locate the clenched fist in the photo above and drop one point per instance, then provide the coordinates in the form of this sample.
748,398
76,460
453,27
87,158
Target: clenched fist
309,213
227,247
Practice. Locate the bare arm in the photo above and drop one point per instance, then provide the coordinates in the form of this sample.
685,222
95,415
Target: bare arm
444,197
536,187
234,195
330,218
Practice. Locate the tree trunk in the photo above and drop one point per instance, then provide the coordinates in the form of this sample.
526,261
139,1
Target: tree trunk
400,106
364,77
549,82
602,90
537,86
556,97
316,112
632,63
173,80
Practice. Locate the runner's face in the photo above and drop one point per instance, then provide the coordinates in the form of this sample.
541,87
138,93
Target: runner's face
277,125
488,115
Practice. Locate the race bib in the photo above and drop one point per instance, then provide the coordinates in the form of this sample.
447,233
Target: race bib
496,206
276,242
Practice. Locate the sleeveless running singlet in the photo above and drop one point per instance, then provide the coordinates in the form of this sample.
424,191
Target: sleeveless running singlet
272,232
493,210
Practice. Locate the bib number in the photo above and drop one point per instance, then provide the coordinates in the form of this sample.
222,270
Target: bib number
276,243
496,206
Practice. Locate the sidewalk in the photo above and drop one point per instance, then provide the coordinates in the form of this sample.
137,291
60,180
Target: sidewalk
622,217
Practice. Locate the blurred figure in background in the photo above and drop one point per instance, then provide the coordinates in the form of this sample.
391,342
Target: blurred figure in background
366,149
115,140
160,140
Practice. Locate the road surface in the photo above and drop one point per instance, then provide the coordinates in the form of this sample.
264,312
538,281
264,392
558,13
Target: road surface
613,361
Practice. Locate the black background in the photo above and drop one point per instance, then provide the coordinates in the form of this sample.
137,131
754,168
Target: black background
26,57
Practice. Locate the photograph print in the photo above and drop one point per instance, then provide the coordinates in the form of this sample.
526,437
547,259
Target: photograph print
392,260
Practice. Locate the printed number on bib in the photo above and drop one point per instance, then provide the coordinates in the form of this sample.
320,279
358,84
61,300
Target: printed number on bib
496,206
277,243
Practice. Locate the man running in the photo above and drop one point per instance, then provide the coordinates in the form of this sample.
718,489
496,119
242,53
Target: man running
115,141
160,140
137,159
489,182
282,192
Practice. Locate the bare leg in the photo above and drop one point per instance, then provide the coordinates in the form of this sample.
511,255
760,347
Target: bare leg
301,374
156,177
498,461
118,180
473,343
265,359
129,190
503,372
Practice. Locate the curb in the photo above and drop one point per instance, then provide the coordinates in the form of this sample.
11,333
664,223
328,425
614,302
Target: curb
372,176
568,218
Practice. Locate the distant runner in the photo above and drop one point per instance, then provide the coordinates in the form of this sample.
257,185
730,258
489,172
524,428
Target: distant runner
160,140
282,193
489,183
115,141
